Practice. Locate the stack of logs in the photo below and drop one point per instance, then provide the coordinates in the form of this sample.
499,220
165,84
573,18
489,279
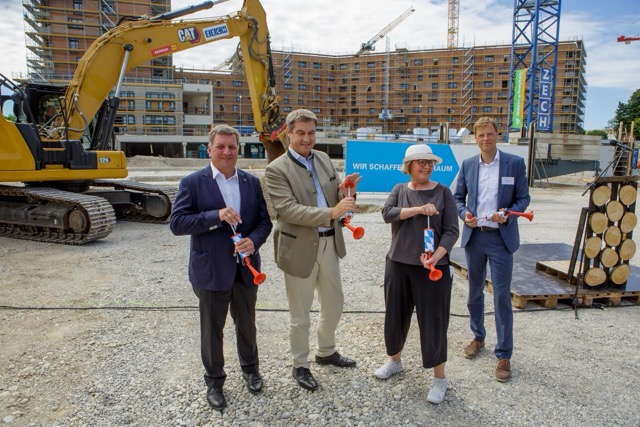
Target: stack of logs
608,244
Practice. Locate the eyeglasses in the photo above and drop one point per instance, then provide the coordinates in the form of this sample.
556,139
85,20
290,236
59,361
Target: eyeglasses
422,163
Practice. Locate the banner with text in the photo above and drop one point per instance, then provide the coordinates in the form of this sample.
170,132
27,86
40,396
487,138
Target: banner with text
379,164
517,108
545,104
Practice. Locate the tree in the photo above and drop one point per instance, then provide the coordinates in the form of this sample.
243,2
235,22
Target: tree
626,113
600,132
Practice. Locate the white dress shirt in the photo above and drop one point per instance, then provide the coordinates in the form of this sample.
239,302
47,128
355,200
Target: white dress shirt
488,180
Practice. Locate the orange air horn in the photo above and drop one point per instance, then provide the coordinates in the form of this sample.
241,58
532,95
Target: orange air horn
258,278
358,232
429,248
528,214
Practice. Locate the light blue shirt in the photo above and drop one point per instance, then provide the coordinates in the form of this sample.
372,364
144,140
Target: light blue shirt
308,163
488,179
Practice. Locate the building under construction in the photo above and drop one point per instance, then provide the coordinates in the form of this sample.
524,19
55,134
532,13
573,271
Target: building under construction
393,91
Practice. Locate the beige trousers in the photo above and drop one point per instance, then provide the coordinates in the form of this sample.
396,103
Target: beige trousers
325,279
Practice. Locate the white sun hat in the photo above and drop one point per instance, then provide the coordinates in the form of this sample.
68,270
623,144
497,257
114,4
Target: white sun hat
420,152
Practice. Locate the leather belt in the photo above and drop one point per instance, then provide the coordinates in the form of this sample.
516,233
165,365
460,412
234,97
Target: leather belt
327,233
483,228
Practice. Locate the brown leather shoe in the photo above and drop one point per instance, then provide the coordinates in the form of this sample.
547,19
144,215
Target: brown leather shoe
503,370
473,348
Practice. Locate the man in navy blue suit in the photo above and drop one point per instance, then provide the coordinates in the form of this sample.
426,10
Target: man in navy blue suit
209,204
489,185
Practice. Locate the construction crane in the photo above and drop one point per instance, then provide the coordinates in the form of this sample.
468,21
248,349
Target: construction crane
628,40
369,46
452,31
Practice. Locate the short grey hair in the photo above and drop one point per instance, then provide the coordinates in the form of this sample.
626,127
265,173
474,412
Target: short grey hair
300,115
224,130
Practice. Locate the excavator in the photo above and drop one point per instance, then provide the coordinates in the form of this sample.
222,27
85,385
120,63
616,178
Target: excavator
61,181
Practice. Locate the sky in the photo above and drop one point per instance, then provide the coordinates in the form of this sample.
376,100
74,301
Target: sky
340,27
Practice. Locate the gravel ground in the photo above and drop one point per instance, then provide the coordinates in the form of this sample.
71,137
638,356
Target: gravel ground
109,336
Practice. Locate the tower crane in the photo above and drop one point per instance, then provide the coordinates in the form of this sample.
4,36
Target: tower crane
369,46
452,31
628,40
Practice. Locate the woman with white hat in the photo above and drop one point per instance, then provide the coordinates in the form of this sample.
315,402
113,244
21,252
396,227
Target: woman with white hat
410,208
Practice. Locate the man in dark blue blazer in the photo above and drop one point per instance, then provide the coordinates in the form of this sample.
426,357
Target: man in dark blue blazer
209,204
489,185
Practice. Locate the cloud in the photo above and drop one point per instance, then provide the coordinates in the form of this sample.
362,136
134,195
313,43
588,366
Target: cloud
13,46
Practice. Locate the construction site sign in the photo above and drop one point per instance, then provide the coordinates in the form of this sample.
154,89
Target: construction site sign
379,163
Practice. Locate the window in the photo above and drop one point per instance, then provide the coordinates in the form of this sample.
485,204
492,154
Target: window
420,77
455,59
434,85
433,73
302,64
316,110
316,76
452,85
486,109
418,61
371,65
342,66
74,44
489,58
77,4
487,83
287,109
302,87
237,83
300,78
287,86
75,24
489,75
372,78
430,110
372,110
317,65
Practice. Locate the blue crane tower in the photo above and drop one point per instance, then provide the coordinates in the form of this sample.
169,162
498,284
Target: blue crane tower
534,56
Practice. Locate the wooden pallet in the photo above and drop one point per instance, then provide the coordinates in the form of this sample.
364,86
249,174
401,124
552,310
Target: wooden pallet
609,298
546,301
558,268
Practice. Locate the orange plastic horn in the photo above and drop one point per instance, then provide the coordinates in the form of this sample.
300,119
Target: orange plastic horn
528,214
258,277
358,232
434,274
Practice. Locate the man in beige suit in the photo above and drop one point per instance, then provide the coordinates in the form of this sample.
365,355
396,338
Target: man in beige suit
309,201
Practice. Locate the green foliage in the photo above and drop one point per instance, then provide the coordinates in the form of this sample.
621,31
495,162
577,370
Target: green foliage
11,118
600,132
626,113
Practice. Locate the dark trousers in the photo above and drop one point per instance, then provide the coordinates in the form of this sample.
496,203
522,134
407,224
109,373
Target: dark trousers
214,306
407,287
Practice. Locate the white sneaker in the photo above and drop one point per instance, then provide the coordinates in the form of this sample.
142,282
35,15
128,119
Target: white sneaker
388,369
438,390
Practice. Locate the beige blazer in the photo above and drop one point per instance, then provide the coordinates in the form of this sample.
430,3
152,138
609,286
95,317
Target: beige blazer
292,193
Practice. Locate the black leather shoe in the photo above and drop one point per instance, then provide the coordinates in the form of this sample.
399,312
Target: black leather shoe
305,379
336,360
254,382
216,399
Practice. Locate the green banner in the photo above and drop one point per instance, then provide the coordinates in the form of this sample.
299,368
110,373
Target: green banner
518,99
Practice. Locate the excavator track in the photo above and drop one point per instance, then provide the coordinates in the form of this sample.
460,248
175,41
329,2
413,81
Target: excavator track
54,216
161,197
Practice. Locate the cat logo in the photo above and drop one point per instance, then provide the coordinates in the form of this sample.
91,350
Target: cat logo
191,35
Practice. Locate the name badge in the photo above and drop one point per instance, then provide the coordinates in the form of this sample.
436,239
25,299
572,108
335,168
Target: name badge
508,180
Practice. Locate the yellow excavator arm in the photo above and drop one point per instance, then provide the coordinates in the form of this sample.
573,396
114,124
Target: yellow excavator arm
132,43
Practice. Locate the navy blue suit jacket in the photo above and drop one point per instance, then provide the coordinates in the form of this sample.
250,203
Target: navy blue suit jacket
212,264
513,194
